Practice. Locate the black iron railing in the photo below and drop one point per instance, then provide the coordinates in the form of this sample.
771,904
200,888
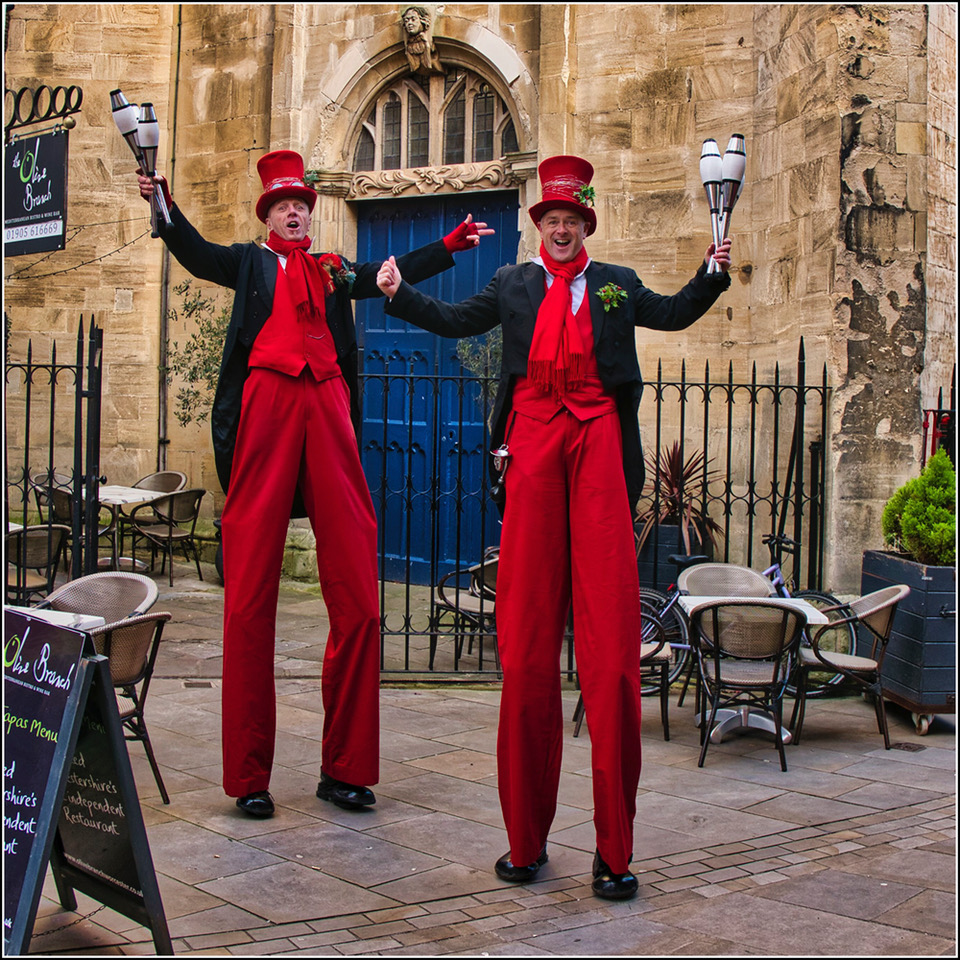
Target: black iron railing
52,443
763,441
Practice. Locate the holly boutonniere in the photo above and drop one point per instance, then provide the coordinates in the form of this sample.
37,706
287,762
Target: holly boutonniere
612,296
337,272
586,196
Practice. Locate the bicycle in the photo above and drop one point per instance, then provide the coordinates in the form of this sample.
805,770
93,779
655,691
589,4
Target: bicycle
677,627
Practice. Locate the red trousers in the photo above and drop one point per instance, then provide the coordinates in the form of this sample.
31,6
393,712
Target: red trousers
568,534
294,430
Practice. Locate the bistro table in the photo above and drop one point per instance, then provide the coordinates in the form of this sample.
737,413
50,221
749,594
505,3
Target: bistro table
727,718
113,496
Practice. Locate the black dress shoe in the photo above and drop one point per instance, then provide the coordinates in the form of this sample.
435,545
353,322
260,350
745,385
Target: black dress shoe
259,804
508,870
610,885
345,795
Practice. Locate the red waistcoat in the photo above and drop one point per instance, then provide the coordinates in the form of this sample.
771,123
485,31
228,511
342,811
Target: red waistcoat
589,400
287,344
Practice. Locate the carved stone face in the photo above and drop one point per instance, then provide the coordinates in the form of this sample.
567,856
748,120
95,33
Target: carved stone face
412,22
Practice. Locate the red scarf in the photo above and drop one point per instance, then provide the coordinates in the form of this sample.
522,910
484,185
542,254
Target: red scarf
308,283
556,355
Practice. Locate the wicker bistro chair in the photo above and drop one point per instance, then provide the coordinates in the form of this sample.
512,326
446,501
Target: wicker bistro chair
745,651
33,555
875,612
111,595
131,645
720,580
655,660
170,520
469,595
56,502
164,481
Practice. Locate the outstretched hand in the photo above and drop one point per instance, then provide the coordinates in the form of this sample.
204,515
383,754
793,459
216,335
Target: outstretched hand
467,235
388,278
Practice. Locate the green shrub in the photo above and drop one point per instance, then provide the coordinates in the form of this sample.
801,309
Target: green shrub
920,519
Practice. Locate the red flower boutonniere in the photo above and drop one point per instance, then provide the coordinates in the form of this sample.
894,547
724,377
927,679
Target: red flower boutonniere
612,296
337,275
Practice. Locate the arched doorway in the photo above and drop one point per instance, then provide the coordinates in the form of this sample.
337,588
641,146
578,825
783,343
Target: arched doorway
424,439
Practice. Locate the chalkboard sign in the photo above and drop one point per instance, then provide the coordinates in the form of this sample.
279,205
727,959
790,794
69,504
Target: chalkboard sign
40,687
88,823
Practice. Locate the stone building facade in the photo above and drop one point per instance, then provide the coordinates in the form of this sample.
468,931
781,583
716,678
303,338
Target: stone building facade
845,234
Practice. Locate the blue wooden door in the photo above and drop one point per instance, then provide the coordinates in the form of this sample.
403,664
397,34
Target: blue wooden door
424,441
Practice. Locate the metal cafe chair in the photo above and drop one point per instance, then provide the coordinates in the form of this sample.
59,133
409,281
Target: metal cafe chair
745,651
131,645
33,555
163,481
112,595
170,520
655,660
874,611
469,595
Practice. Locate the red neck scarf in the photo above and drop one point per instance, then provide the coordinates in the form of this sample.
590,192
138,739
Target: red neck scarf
308,283
556,355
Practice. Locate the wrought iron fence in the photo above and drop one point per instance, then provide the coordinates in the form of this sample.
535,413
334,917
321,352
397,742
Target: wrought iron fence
52,444
763,473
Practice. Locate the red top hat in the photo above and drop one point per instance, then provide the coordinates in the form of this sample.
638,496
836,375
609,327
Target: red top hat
282,175
562,180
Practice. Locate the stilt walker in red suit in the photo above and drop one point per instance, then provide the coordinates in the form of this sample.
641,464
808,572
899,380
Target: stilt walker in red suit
565,422
284,431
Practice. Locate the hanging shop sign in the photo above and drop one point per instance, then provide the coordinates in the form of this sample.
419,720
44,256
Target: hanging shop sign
35,193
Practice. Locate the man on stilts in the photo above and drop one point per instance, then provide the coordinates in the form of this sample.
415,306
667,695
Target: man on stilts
565,425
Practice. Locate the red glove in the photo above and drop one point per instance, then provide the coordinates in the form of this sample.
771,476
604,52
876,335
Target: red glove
464,237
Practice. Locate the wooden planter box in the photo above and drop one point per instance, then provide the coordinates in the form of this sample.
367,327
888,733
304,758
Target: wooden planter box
919,672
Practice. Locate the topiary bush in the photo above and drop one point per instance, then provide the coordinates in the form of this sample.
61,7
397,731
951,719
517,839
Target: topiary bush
920,519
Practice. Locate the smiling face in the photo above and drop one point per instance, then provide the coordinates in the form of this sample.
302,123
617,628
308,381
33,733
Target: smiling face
289,218
563,232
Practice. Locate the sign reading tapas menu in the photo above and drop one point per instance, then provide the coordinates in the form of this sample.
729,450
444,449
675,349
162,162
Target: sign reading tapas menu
70,800
40,671
35,193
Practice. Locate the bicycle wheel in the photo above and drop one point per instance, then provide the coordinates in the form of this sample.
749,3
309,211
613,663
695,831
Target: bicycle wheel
843,640
675,626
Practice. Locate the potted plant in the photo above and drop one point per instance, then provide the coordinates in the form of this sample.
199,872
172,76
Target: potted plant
673,517
919,525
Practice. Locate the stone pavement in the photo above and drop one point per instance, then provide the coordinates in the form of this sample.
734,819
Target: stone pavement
850,852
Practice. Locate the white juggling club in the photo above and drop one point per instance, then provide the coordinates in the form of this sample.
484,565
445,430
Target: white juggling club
128,118
148,136
734,172
711,174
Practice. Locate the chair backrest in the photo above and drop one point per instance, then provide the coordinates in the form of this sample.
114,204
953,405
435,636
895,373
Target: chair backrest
876,612
113,595
165,481
484,577
724,580
60,501
749,629
34,548
182,507
129,646
652,635
37,547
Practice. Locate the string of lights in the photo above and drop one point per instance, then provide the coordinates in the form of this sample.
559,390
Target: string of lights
22,275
